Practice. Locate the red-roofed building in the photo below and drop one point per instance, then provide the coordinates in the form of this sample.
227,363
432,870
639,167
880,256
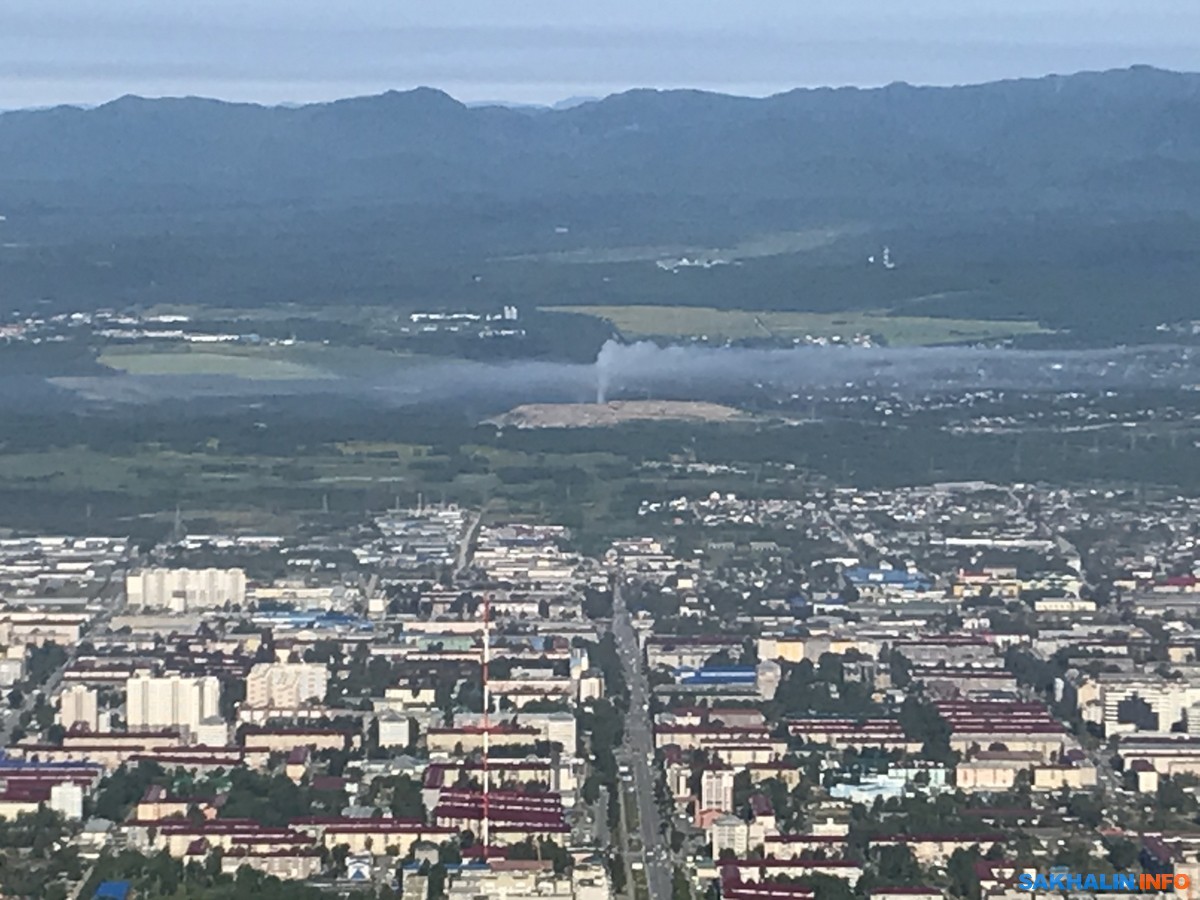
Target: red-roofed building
516,814
1014,725
114,749
789,846
157,803
760,870
470,738
764,890
285,740
371,835
860,734
995,876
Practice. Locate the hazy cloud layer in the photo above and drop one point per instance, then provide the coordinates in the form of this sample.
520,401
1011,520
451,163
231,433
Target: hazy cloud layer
641,370
542,50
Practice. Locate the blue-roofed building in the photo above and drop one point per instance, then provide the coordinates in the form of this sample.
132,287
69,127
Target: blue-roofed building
112,890
797,601
900,579
310,619
717,675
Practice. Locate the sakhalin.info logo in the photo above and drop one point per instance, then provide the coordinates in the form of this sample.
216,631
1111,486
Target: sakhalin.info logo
1124,883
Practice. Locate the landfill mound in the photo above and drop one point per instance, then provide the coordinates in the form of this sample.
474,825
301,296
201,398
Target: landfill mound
616,412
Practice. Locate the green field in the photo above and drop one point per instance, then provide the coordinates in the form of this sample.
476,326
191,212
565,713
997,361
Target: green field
737,324
265,364
272,490
780,243
257,362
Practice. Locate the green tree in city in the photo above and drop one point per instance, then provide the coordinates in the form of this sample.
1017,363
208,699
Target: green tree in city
960,871
896,866
827,887
1122,853
681,888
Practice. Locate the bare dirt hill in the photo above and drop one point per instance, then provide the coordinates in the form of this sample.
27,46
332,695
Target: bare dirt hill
616,412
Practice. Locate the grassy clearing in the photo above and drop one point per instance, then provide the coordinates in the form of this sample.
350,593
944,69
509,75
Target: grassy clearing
267,364
152,472
779,243
721,324
382,449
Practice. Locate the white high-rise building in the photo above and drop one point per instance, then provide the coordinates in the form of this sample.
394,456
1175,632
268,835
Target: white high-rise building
79,709
285,685
171,701
185,590
716,789
732,833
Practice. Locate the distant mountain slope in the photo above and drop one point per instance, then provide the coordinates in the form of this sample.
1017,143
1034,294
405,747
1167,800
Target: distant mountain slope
1115,140
1072,201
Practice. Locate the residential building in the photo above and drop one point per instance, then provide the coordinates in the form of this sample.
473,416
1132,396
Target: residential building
171,701
79,709
185,590
286,685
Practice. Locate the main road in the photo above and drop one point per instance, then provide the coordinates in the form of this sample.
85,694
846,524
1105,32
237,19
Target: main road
639,745
99,625
466,543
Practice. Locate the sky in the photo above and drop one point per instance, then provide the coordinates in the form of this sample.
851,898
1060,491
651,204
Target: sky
272,51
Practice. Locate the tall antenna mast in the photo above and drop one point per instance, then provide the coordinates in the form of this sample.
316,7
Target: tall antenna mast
487,723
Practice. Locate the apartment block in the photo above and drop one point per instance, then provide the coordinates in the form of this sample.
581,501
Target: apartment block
285,685
185,590
79,709
171,701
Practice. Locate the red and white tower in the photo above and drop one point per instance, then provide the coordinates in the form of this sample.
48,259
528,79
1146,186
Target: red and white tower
487,721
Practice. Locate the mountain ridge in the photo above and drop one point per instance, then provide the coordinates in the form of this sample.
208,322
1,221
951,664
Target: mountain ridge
158,198
1083,76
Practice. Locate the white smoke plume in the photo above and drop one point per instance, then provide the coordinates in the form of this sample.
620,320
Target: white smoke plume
688,372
